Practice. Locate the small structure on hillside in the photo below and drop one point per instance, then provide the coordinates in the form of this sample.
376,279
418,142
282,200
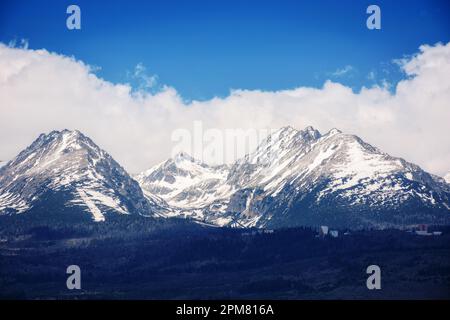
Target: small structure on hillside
323,231
423,230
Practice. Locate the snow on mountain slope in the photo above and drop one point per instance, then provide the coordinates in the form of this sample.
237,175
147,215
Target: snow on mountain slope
192,188
340,172
292,178
68,162
447,177
273,157
184,182
293,173
345,160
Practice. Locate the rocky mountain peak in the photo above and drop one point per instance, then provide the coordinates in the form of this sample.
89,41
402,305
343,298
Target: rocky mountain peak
68,163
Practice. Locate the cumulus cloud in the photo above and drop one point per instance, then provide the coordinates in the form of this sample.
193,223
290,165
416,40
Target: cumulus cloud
41,91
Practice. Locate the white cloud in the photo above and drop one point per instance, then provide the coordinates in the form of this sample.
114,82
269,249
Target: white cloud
372,75
343,71
145,80
42,91
23,43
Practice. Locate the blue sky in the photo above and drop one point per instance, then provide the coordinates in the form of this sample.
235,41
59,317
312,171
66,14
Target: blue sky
205,48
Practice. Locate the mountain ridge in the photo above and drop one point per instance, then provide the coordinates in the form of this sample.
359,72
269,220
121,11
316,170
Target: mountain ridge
293,178
288,167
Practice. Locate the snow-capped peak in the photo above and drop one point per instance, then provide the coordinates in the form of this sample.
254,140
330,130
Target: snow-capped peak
311,132
293,176
332,132
57,148
176,179
293,168
183,156
69,162
288,133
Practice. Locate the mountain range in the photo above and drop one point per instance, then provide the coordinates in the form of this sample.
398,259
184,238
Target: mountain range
293,178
